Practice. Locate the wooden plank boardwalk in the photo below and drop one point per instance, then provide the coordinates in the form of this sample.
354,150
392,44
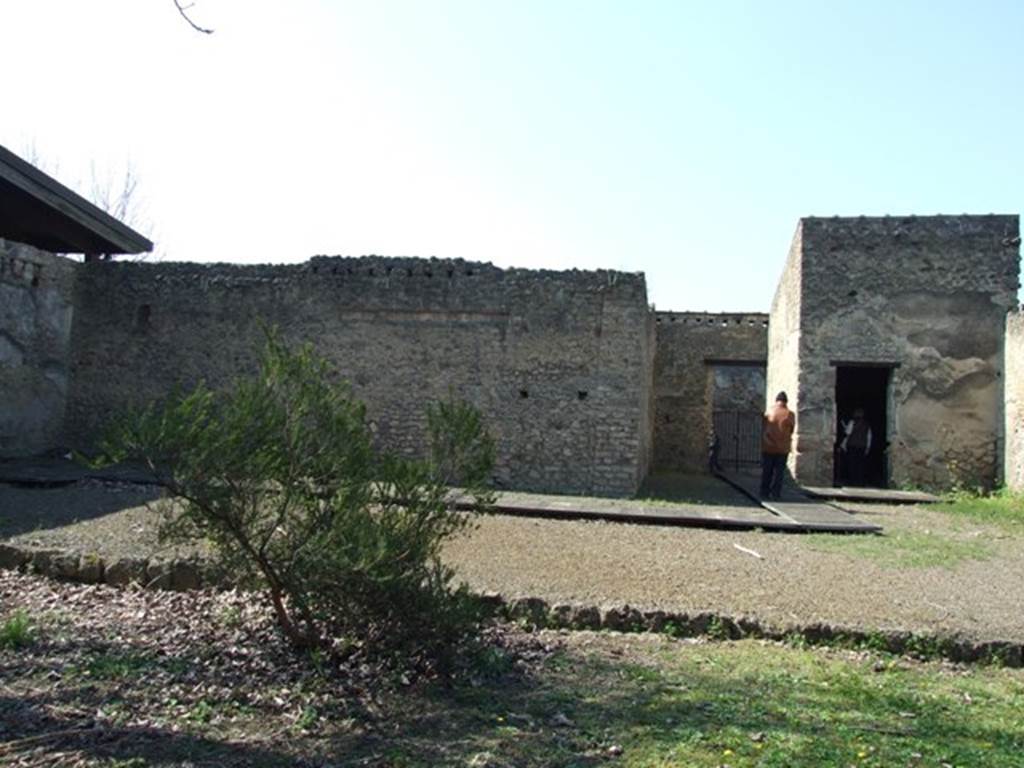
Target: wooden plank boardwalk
741,516
872,495
716,507
811,514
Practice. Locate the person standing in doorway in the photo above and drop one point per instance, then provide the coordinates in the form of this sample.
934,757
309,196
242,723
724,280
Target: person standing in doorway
777,428
856,446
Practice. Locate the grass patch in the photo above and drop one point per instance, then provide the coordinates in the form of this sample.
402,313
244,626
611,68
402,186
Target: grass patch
1001,508
127,664
904,549
17,631
739,704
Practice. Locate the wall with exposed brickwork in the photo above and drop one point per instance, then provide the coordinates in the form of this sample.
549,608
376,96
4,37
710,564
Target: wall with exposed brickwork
687,346
35,328
784,335
929,296
1013,377
559,362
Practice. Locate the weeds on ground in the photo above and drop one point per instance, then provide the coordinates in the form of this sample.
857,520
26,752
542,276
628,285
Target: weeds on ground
17,631
904,549
742,704
1002,507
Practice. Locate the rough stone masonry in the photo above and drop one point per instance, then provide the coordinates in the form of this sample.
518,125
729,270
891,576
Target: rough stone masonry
558,362
585,387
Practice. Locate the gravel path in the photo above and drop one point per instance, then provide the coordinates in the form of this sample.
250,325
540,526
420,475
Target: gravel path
866,582
930,572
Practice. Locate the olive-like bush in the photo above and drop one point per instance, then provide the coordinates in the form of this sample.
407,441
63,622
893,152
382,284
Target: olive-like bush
280,474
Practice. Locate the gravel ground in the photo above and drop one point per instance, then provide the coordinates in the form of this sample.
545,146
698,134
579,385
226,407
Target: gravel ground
930,572
110,519
850,580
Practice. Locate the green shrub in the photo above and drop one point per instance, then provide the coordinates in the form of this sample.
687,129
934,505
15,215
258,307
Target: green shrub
280,473
17,631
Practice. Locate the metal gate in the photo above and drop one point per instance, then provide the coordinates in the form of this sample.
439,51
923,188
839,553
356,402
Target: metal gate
739,438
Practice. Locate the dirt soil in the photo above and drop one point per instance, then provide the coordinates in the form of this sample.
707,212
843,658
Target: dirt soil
930,572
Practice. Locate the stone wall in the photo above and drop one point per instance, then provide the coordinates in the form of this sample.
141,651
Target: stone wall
927,296
647,400
687,347
784,335
1013,379
36,290
557,361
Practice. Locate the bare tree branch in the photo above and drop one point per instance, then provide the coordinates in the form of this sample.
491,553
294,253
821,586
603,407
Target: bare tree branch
183,10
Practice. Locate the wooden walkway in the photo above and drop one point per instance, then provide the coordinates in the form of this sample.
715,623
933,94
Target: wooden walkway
739,510
736,517
871,495
708,507
796,506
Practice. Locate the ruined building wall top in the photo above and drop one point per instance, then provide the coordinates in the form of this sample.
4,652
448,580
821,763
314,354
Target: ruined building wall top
555,360
36,312
687,346
927,295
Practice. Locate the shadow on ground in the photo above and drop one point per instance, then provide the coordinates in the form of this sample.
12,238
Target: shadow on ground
681,488
26,508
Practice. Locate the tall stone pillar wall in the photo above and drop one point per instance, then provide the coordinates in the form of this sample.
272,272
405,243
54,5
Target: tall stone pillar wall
1013,381
783,373
927,297
36,310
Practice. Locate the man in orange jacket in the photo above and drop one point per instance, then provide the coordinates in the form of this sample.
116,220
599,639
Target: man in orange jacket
776,435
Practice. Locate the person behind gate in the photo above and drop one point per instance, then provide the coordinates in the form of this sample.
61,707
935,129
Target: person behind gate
777,426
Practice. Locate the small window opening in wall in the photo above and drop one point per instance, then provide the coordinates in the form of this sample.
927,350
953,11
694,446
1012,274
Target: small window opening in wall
851,294
469,273
388,271
582,394
315,270
142,316
524,394
451,273
373,272
35,280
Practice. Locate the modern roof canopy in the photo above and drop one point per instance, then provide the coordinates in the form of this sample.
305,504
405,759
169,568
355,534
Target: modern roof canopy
38,210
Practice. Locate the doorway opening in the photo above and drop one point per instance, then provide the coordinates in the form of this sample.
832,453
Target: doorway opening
862,418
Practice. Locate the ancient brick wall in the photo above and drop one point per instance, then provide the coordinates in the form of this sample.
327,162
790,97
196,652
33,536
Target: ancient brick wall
647,400
687,346
557,361
35,328
784,336
1013,378
928,296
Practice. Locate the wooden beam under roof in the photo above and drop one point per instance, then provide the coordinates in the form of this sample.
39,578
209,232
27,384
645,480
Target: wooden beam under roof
38,210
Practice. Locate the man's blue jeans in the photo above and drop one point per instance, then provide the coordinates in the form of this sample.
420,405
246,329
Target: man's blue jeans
773,466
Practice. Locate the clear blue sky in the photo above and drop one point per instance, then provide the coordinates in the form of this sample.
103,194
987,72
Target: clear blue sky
679,139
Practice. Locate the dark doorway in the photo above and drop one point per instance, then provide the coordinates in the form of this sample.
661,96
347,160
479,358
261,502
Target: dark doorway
862,390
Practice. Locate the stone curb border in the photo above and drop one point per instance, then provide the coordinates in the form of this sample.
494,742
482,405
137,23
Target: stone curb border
188,574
